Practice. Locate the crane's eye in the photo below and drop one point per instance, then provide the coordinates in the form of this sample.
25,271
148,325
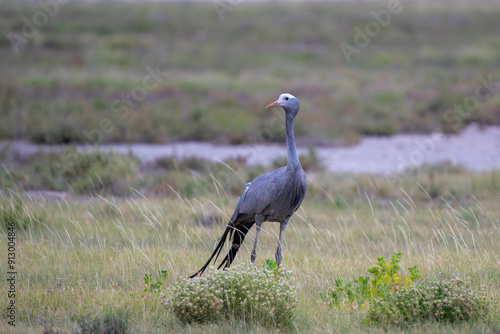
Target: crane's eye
286,98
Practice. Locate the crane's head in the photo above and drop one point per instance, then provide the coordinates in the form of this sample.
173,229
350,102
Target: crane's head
288,102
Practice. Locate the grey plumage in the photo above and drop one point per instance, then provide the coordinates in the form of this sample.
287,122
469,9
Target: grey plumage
272,197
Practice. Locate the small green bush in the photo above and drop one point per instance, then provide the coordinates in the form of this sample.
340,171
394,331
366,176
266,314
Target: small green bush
96,172
107,324
386,281
389,298
446,300
257,295
151,285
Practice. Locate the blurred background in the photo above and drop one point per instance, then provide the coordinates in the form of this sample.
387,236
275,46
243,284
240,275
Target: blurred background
97,72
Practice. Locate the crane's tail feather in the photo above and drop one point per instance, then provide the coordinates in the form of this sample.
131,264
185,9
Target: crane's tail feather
217,250
238,238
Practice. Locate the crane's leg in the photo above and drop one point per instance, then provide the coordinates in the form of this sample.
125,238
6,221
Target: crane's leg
280,241
259,219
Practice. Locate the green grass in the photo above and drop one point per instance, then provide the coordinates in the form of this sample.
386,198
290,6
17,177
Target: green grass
221,74
84,258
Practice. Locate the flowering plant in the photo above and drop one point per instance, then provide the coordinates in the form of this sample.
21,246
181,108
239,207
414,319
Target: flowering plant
246,292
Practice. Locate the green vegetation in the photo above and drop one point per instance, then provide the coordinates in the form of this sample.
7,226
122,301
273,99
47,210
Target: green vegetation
243,292
108,173
386,281
108,324
115,174
154,287
82,259
390,299
79,172
445,300
69,83
12,210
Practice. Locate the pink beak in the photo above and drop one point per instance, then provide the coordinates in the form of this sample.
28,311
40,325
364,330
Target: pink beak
274,104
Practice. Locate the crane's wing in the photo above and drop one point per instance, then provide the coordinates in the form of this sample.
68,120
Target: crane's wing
258,194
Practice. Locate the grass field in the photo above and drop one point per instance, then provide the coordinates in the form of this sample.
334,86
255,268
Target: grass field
84,257
79,78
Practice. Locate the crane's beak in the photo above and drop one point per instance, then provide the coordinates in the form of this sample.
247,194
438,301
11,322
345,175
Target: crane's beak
274,104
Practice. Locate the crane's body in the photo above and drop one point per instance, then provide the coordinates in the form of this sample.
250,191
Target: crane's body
285,188
272,197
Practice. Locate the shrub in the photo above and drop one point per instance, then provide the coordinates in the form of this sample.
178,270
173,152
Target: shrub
264,296
386,281
108,324
447,300
96,172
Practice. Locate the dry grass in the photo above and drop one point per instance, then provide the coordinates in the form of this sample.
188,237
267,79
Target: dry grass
84,257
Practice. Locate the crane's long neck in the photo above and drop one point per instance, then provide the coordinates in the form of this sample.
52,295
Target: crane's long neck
293,159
